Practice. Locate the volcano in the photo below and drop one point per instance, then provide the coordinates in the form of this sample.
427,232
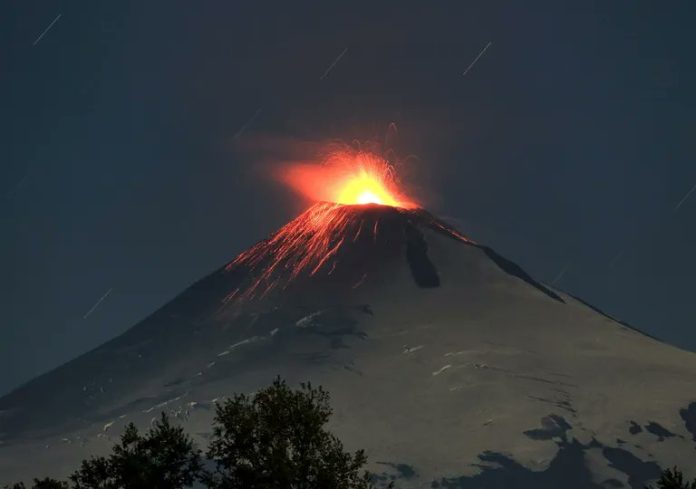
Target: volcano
447,363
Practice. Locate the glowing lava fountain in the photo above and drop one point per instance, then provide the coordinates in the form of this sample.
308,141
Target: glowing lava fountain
361,214
350,178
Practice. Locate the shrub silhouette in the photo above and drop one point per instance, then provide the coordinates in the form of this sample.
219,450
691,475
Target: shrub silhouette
673,479
165,458
276,439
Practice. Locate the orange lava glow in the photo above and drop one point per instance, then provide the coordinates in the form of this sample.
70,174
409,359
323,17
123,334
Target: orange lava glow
350,178
311,244
305,244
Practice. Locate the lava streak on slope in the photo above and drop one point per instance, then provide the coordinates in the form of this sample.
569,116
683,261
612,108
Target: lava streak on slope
303,245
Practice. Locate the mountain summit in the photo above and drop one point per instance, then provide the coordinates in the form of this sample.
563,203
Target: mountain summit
449,364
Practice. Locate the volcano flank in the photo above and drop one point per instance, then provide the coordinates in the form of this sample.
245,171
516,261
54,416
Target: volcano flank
448,363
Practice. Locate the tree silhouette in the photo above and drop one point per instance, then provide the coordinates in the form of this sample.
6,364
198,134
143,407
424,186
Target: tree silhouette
165,458
276,439
673,479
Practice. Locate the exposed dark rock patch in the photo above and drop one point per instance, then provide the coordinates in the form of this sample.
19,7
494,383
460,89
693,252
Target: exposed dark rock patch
424,273
639,472
688,414
635,428
501,471
567,470
552,426
658,430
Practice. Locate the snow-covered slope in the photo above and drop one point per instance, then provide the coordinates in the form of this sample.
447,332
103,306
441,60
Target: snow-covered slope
449,364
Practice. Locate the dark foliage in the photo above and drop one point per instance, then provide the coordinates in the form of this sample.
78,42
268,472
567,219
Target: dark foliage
276,439
46,483
165,458
673,479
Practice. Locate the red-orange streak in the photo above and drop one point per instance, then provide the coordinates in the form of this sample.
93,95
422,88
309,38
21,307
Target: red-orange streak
357,234
304,244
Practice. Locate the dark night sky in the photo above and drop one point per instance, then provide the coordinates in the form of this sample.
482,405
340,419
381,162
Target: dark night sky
570,140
